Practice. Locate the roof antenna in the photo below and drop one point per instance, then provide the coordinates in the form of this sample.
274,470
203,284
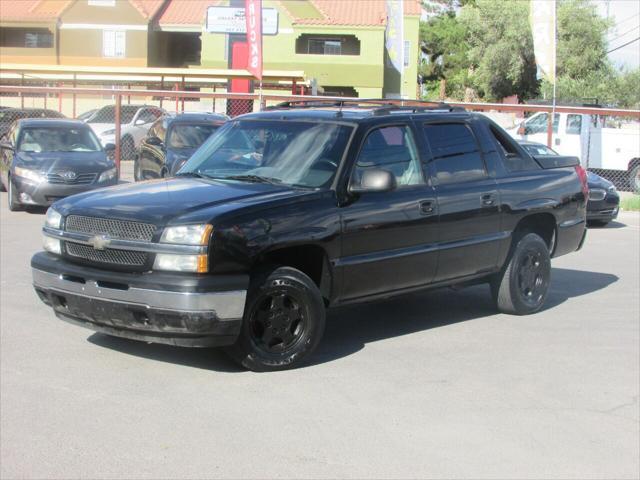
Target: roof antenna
340,105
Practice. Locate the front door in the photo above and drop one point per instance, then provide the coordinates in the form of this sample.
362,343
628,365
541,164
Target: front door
388,240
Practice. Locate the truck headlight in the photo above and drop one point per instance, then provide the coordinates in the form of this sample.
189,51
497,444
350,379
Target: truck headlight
181,263
29,174
52,245
187,234
108,175
53,219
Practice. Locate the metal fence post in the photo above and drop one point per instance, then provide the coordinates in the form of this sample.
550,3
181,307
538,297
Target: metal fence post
117,132
549,129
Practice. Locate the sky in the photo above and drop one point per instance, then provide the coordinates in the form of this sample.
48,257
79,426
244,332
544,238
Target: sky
625,15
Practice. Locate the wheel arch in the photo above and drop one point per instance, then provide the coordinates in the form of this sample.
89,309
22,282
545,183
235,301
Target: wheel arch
541,223
311,259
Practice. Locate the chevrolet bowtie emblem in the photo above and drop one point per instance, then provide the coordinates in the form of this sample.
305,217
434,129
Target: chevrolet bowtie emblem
99,242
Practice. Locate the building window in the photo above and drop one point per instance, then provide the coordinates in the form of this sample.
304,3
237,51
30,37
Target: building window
114,43
327,45
407,53
26,38
324,47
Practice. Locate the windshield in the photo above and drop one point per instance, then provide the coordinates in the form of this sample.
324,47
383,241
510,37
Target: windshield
108,114
58,139
190,136
294,153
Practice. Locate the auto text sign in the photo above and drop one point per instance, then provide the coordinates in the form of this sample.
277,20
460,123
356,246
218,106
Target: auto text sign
232,20
253,14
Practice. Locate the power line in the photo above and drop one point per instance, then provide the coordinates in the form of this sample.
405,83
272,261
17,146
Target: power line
623,45
623,34
627,19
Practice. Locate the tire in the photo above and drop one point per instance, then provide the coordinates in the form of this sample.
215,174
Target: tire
2,187
283,321
522,285
127,148
12,199
634,179
163,173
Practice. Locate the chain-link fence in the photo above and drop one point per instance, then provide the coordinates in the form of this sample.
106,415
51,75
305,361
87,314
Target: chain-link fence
606,140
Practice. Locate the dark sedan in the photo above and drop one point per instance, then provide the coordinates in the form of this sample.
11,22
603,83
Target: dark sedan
604,200
171,141
42,161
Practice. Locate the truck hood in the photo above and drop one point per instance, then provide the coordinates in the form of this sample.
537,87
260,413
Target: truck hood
164,202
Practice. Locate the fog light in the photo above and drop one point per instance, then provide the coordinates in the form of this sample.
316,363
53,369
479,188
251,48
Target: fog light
25,198
52,245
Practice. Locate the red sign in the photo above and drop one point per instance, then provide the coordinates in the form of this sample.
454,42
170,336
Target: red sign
253,15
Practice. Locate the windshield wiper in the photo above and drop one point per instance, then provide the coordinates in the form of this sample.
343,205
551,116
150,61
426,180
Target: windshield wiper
253,178
192,174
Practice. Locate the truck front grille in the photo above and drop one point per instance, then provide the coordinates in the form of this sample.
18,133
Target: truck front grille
116,229
107,256
120,229
80,179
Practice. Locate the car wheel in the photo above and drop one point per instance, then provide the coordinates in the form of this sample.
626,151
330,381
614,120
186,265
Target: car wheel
634,179
522,285
127,148
283,321
12,200
163,173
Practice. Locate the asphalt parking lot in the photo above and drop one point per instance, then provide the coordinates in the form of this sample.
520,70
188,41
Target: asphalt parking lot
431,385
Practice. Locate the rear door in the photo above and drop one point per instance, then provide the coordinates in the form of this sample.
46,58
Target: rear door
388,240
468,201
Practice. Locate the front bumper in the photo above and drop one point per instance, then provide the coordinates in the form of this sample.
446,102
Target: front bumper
175,309
44,193
606,214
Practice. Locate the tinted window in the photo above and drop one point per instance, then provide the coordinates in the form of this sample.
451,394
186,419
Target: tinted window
538,124
392,149
189,136
512,157
147,116
454,152
108,114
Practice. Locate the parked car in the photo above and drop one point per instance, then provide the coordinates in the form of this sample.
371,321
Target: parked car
286,212
604,199
45,160
86,115
10,115
610,147
171,141
135,121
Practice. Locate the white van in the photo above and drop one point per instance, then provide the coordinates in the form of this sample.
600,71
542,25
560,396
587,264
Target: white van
601,142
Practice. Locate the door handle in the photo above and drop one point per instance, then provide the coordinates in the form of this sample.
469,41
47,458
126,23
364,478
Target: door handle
427,207
488,199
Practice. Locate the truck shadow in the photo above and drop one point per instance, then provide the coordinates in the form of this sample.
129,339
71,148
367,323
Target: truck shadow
349,329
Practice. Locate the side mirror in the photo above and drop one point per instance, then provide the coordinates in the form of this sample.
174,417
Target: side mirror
375,180
110,147
154,141
6,146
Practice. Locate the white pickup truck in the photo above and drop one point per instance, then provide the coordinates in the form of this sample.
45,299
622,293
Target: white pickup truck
605,144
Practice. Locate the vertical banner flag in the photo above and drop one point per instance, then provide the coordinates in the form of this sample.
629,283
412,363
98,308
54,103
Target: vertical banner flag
394,36
253,16
543,28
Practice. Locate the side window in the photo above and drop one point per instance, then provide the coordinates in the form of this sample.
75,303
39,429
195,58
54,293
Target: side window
455,153
392,149
514,160
574,124
147,116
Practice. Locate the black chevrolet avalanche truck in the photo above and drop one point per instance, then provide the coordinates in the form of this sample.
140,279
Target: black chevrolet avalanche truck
287,212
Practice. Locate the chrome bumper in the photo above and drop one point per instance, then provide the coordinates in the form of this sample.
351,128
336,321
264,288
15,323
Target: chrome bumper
225,305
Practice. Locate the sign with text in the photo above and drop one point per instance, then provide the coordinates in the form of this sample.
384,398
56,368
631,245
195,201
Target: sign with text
232,20
253,15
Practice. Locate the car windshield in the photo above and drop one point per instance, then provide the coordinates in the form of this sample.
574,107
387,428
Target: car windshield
58,139
539,150
305,154
190,136
108,114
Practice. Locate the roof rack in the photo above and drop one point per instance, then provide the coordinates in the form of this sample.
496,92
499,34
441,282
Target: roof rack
377,106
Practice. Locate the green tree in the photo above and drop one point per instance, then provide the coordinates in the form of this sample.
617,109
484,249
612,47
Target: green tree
501,48
443,40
